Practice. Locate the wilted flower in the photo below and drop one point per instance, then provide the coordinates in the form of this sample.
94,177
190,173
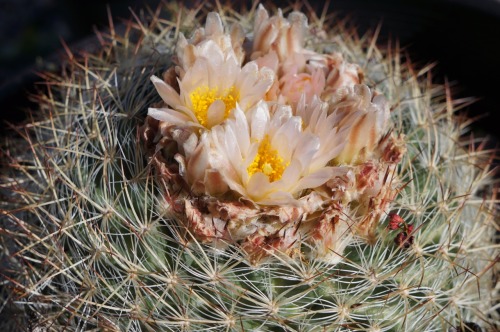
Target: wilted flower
395,221
405,237
404,240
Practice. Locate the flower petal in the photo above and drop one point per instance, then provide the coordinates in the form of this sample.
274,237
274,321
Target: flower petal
291,175
259,121
279,198
213,24
257,185
198,164
166,92
242,130
315,179
215,113
168,115
306,148
232,148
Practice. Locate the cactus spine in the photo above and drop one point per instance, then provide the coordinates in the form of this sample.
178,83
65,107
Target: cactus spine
91,244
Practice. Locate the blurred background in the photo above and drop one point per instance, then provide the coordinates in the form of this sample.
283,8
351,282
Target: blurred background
462,36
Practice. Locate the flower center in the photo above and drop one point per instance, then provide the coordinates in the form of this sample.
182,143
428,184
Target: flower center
267,161
203,97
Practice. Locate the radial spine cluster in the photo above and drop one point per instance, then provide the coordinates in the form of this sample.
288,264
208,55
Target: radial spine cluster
122,211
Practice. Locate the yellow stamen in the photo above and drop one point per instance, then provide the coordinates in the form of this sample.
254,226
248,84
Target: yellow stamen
202,97
268,161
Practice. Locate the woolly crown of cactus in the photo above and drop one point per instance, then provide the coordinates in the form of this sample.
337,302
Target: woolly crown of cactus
211,170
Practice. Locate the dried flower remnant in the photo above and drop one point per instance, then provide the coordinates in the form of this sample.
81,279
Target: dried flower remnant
405,237
395,221
278,151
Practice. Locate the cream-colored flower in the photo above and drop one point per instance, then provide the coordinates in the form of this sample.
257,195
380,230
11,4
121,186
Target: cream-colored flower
230,44
340,73
317,120
277,34
365,116
278,43
195,163
210,89
295,85
266,157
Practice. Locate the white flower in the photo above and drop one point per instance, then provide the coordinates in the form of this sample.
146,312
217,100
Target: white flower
275,33
266,157
317,120
340,73
195,165
210,89
295,84
230,44
365,116
278,43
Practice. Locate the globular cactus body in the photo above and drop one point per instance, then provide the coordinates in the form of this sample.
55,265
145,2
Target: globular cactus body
109,225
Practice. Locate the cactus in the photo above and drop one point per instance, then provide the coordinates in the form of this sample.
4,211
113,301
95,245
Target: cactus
96,231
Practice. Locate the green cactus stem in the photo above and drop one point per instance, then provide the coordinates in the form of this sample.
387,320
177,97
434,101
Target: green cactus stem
91,244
